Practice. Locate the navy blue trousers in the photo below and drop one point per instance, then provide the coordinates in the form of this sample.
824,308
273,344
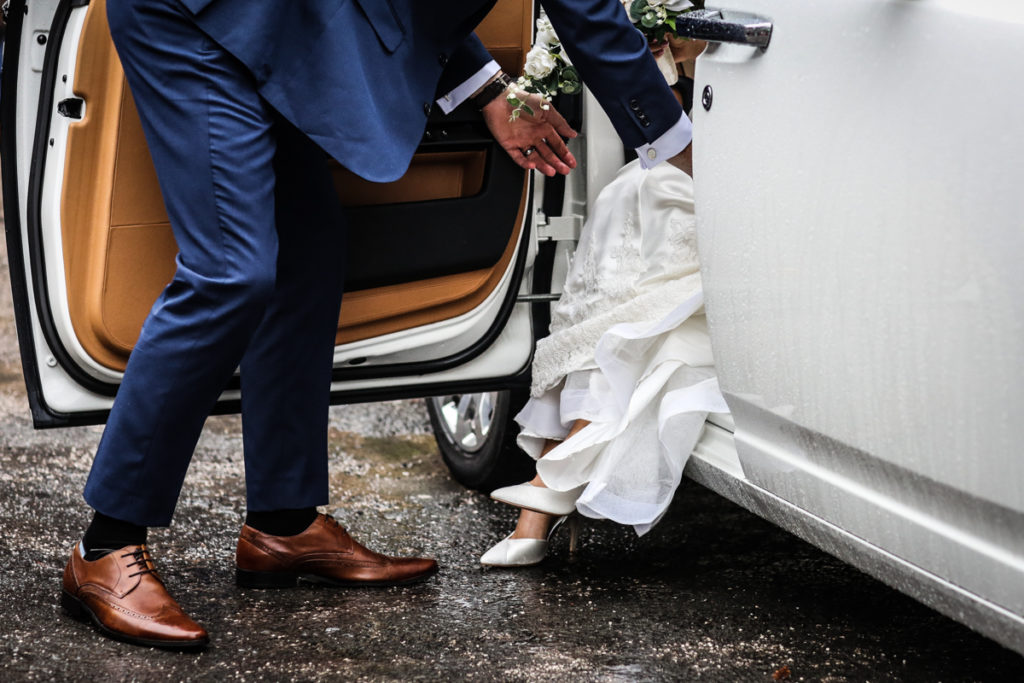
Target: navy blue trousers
258,284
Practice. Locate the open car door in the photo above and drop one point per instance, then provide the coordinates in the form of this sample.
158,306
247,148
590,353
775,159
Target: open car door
439,257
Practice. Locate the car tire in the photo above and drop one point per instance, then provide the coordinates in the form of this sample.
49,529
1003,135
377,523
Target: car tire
476,435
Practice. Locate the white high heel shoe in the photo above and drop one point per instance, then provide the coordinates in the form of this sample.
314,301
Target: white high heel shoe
523,552
539,499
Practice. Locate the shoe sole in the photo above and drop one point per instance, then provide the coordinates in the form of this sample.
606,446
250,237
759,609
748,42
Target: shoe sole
76,609
487,565
251,579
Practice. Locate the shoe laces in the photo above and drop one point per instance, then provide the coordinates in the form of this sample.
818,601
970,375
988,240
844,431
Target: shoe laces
142,559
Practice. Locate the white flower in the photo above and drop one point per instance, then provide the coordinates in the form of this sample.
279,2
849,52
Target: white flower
545,32
539,62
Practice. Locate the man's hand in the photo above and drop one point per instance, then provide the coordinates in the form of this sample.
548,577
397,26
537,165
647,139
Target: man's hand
684,160
533,142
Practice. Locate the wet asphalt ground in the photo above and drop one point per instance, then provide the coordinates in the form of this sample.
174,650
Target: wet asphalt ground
713,593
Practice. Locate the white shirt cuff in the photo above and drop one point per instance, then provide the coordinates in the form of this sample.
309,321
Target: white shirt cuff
469,86
670,143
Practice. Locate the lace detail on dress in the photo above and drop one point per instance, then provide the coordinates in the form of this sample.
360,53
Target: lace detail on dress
636,257
576,302
622,285
609,260
683,239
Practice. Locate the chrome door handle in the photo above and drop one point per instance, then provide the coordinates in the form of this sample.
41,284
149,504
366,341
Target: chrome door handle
732,27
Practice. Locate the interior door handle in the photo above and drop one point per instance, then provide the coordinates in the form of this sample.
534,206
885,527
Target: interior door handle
723,26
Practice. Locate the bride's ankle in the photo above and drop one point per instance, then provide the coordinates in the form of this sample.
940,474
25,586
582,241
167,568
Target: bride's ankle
532,525
537,481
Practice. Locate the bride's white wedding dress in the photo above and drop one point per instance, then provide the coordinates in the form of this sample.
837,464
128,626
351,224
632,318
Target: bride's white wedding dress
629,351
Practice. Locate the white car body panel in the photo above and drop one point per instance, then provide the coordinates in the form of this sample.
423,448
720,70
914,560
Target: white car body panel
860,220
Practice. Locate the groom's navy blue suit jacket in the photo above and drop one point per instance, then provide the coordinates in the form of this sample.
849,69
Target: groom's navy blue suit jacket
359,76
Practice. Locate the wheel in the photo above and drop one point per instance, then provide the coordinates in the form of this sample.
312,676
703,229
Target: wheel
477,438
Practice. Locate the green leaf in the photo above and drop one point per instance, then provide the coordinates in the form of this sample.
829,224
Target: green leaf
637,9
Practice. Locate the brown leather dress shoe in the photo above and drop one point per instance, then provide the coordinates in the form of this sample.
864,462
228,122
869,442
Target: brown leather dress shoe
323,553
126,599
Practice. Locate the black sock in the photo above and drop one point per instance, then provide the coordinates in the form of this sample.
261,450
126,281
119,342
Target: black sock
106,534
281,522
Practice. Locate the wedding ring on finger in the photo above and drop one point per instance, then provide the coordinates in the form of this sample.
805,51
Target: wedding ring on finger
528,151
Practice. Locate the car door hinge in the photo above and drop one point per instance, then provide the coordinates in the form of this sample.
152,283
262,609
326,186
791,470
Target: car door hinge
70,108
560,228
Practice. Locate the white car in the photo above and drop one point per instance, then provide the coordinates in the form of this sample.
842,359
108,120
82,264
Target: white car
859,169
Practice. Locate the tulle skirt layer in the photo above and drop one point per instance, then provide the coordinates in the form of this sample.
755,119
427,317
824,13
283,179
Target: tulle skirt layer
646,402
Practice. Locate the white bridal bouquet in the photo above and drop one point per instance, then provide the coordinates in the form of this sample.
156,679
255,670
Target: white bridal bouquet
548,72
656,18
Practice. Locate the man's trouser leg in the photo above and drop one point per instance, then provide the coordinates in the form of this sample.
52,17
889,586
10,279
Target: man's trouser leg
286,371
213,143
